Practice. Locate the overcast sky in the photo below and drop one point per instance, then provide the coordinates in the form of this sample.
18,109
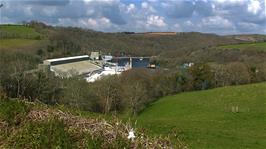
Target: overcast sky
214,16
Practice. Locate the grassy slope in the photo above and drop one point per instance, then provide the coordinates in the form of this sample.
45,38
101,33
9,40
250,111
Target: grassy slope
19,37
18,43
205,119
249,37
19,30
259,46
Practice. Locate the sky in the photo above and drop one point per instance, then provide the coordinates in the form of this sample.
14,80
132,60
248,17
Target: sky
210,16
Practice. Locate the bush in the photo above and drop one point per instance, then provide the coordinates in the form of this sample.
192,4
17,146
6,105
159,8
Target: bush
50,134
235,73
97,142
3,95
93,143
203,77
13,112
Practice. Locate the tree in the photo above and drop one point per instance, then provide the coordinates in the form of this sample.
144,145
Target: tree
136,89
135,93
238,72
260,72
202,76
76,92
108,93
40,52
221,75
164,83
184,81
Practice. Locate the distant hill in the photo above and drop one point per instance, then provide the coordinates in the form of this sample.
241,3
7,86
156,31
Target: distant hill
159,33
139,44
228,117
171,48
249,37
146,44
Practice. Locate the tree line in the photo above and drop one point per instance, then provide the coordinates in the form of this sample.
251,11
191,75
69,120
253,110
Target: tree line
133,90
130,92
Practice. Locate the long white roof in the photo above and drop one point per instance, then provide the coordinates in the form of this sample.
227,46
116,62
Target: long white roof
66,58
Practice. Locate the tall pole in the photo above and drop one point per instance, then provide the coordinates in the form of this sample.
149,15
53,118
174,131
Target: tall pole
1,5
130,62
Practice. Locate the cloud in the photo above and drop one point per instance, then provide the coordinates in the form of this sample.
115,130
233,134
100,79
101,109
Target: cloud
156,21
178,9
131,8
248,27
229,1
46,2
98,24
217,16
216,22
189,23
204,8
147,7
254,7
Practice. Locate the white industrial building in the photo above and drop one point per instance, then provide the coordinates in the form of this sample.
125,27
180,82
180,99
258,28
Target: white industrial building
91,67
70,66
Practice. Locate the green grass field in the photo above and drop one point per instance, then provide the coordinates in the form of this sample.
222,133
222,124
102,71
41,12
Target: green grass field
18,43
258,46
18,31
19,37
205,119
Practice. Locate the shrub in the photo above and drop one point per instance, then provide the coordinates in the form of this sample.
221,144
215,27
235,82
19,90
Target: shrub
54,129
202,76
42,134
97,142
3,95
13,112
93,143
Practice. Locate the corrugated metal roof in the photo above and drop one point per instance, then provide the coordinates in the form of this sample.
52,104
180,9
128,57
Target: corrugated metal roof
66,58
81,67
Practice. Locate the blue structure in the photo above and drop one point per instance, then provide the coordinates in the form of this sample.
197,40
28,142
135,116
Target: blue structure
134,62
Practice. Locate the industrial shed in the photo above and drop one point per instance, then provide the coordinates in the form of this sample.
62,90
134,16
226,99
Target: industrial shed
70,66
65,60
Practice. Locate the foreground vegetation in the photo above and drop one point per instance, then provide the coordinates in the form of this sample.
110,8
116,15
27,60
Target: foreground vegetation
228,117
33,125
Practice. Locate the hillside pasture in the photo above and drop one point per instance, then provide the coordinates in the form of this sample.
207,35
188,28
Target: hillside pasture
229,117
18,31
19,44
256,46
